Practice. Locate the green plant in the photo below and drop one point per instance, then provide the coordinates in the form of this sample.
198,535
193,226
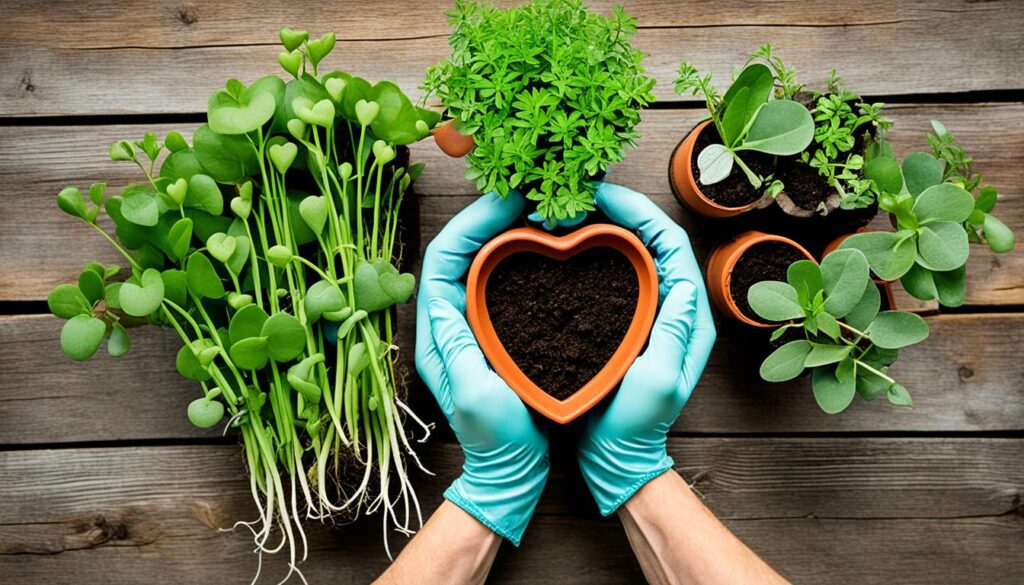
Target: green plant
747,119
551,94
934,216
982,227
846,342
269,245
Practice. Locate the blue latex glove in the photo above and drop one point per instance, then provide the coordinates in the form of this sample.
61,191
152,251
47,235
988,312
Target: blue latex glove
506,454
623,446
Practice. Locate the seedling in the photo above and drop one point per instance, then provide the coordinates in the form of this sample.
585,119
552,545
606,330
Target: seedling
263,289
845,341
747,119
551,94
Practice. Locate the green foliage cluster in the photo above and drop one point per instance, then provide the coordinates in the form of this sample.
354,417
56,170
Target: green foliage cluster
936,218
747,119
846,342
269,245
551,94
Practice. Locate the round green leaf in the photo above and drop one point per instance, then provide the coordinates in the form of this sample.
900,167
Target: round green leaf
805,277
187,363
999,237
832,394
140,207
71,202
943,202
247,322
787,362
179,237
144,300
714,164
67,301
942,246
867,307
203,193
886,174
781,127
897,329
919,283
775,301
322,297
286,337
226,158
230,115
951,286
81,336
889,255
249,353
203,279
90,282
823,354
920,171
118,343
205,413
844,274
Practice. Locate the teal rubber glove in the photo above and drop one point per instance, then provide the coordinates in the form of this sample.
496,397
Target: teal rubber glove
506,454
623,446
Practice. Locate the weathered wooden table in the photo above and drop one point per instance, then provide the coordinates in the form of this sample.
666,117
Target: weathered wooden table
102,478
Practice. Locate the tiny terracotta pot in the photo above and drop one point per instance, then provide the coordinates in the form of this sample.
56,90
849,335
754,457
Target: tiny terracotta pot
685,186
885,285
721,264
562,248
451,141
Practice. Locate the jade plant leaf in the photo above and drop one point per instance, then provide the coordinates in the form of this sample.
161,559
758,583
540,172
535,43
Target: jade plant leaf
787,362
832,394
143,299
67,301
775,301
781,127
999,237
845,274
81,336
896,329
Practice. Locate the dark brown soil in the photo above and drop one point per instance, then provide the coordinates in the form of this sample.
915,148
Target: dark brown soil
562,321
765,261
735,190
804,185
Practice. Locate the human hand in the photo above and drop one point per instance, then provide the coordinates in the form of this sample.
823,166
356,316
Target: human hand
506,454
623,446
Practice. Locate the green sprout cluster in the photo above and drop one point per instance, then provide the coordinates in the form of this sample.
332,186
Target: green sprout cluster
551,94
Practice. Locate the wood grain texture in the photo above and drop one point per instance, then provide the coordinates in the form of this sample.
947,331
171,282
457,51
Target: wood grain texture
966,377
107,57
819,510
40,247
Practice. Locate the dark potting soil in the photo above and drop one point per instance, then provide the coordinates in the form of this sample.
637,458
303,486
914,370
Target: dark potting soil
765,261
561,321
735,190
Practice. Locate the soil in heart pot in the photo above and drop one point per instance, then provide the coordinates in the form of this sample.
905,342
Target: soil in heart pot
763,261
561,321
735,190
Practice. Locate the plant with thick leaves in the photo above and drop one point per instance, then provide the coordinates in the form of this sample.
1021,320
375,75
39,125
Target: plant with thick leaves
747,119
551,94
846,342
282,297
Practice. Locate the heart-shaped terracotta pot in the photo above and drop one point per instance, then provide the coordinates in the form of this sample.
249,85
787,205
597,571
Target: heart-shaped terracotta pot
562,248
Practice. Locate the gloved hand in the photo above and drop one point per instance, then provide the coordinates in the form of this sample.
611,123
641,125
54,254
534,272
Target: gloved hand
506,454
623,446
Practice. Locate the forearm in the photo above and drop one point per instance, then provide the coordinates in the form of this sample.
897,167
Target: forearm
453,547
678,540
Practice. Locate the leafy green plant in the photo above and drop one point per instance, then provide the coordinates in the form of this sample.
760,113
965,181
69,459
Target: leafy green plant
934,216
982,227
747,119
269,245
551,94
846,342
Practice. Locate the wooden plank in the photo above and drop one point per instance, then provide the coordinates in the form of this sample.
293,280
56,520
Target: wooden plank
960,381
819,510
37,161
139,57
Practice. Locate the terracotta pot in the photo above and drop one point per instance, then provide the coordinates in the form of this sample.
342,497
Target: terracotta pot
562,248
720,266
451,141
885,285
685,186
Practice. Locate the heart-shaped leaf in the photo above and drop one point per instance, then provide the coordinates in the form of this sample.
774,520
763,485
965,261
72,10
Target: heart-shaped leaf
398,286
335,86
203,279
118,343
320,48
292,39
241,207
205,413
177,191
67,301
81,336
366,112
369,290
322,297
320,114
221,246
383,152
239,300
314,211
282,155
297,128
141,301
231,114
240,256
224,157
286,337
290,61
140,207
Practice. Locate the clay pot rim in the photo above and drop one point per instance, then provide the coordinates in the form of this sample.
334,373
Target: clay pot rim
560,248
685,148
748,240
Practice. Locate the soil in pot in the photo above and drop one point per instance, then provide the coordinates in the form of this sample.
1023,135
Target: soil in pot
763,261
735,190
561,321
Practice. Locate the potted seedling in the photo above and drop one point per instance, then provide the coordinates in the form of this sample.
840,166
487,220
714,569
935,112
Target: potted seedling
737,265
846,341
270,244
935,219
548,119
726,164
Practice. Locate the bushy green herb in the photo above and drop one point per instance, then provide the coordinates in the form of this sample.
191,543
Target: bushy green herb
846,342
269,245
551,93
747,119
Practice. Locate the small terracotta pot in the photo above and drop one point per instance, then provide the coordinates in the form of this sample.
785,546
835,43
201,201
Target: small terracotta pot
885,285
562,248
685,186
451,141
720,266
